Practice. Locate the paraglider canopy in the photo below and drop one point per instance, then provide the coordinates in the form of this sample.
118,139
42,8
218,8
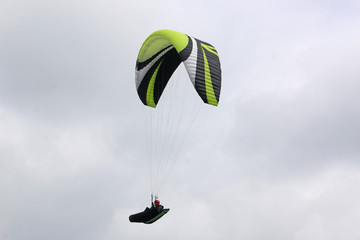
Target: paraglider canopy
161,54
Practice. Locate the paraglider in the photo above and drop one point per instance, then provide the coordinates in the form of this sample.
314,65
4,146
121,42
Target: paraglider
160,55
149,215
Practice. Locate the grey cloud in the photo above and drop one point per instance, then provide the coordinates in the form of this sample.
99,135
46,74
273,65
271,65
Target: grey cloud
277,159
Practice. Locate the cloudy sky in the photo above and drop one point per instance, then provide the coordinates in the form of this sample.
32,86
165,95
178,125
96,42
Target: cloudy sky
277,159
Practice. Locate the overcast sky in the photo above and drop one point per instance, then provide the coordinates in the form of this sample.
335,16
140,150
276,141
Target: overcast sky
277,159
